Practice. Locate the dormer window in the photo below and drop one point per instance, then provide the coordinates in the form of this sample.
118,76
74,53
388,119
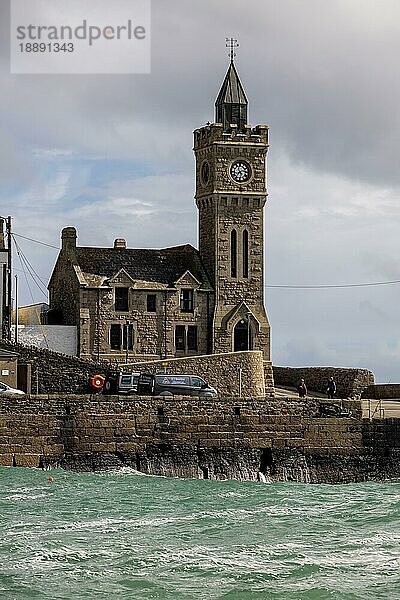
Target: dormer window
121,299
186,301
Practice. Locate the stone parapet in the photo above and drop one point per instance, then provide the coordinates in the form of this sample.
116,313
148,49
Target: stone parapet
232,374
53,372
387,391
350,382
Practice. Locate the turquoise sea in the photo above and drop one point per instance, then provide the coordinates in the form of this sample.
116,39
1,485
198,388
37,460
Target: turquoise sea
121,535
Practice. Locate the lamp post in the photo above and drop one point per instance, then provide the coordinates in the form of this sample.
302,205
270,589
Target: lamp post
127,323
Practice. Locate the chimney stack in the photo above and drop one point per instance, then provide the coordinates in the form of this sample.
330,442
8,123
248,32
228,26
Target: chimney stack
120,244
68,239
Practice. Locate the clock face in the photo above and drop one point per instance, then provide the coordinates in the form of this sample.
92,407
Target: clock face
240,171
205,172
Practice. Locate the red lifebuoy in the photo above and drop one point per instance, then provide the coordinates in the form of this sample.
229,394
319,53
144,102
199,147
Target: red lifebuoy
97,382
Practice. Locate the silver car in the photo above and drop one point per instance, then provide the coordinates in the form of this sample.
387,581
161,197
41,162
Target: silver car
6,390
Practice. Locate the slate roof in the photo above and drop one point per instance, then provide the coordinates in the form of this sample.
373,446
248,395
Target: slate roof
7,355
232,91
164,266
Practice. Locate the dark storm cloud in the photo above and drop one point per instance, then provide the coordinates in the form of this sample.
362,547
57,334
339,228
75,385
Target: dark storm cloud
323,75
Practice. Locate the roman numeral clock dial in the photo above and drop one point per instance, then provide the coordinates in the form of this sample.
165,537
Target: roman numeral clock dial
240,171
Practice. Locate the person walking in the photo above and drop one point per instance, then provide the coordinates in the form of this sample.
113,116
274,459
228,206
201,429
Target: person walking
331,389
302,389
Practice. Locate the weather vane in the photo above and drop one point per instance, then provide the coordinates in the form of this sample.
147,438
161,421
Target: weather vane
231,43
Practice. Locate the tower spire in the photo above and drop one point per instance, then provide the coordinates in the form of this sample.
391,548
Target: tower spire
231,104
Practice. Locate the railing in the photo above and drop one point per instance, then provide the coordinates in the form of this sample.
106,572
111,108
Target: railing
378,407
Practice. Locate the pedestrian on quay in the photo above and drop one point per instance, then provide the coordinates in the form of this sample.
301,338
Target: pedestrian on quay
302,388
331,388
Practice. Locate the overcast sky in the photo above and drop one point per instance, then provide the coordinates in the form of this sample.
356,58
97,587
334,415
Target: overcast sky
112,156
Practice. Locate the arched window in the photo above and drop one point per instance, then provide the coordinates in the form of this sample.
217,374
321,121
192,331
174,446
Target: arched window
245,253
233,253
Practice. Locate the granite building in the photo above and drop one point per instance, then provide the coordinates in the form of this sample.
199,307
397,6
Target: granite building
140,303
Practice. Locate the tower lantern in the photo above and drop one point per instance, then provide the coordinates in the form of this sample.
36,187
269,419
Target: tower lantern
231,104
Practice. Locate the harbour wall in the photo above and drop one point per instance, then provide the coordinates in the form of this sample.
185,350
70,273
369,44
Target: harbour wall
284,439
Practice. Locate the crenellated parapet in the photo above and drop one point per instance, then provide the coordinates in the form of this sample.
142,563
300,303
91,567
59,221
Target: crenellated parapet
214,133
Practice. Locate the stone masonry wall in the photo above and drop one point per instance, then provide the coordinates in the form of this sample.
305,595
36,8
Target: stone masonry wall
222,371
283,439
10,367
55,372
383,390
153,332
225,206
350,382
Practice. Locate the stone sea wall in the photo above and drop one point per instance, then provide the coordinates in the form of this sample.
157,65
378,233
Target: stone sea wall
231,438
350,382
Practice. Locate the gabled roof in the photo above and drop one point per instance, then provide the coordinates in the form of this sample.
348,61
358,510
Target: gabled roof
164,266
188,279
232,91
240,311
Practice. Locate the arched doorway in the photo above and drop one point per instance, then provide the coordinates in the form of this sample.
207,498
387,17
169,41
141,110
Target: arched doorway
242,336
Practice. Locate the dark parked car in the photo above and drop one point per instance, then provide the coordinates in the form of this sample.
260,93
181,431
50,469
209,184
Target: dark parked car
169,385
121,383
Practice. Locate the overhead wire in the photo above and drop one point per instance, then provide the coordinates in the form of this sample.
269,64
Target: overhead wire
35,277
36,241
333,286
33,270
20,256
283,286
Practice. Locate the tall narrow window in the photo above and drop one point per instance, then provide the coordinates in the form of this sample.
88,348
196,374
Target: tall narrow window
121,336
234,253
186,301
121,299
115,337
151,303
180,337
245,253
192,337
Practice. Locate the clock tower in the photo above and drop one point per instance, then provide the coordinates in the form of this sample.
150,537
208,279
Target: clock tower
230,196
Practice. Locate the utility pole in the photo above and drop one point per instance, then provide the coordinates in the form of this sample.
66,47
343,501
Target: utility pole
5,279
16,310
9,278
